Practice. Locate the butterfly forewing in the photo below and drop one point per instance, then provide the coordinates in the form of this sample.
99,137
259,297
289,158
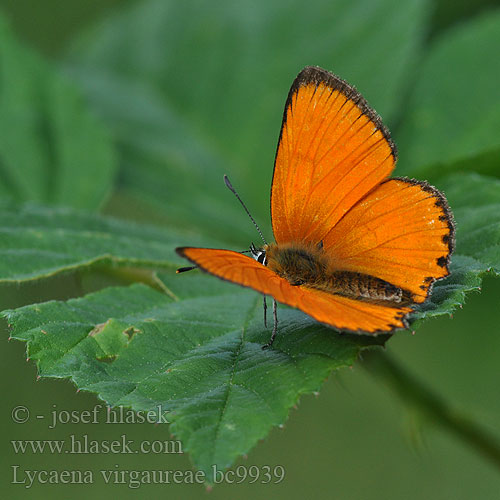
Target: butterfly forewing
333,149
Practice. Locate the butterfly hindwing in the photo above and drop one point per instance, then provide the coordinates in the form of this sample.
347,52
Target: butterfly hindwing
401,232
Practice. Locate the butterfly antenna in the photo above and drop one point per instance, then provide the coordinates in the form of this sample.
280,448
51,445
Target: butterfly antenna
184,269
231,188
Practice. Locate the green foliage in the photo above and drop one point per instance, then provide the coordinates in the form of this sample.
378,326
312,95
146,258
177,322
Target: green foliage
52,149
449,12
476,199
181,117
213,104
452,116
198,358
38,242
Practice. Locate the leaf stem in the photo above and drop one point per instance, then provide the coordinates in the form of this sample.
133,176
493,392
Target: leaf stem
413,391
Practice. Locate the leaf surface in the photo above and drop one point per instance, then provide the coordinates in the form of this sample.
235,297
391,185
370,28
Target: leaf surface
196,349
38,241
453,115
52,148
199,358
207,85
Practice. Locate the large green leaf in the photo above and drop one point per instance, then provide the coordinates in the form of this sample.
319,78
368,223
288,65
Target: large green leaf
196,349
453,116
52,149
38,241
207,83
200,358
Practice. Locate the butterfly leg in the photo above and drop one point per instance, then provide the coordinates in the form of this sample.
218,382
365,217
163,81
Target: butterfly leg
265,312
275,326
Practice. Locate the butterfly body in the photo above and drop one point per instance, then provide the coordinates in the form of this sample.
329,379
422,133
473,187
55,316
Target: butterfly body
310,266
354,248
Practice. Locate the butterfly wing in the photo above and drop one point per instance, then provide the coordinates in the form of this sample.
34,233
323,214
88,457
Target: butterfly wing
333,149
334,310
401,232
330,185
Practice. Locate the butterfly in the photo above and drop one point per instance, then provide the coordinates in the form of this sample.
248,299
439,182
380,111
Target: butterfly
354,249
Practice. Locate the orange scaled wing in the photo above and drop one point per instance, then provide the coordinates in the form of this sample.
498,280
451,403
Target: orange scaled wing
401,232
334,310
333,149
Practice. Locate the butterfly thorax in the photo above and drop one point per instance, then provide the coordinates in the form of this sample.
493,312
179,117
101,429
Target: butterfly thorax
310,266
299,264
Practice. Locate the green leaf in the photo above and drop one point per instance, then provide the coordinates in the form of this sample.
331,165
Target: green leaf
476,204
449,12
164,162
196,349
453,115
475,200
199,358
38,242
52,149
212,80
450,293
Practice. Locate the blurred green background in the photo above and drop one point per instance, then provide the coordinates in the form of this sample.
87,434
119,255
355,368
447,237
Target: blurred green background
357,440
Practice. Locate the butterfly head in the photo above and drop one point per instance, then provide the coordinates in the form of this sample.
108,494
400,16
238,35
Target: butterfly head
259,254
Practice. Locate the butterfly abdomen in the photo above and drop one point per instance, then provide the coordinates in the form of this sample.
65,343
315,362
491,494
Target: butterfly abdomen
364,286
308,266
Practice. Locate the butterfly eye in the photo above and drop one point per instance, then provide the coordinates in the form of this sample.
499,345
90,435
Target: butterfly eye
258,255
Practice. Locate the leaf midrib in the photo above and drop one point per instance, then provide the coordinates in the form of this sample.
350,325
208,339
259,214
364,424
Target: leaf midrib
231,378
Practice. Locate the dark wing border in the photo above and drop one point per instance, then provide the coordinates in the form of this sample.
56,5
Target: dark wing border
441,202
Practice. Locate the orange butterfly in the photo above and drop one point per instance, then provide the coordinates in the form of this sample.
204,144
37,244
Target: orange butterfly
354,249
